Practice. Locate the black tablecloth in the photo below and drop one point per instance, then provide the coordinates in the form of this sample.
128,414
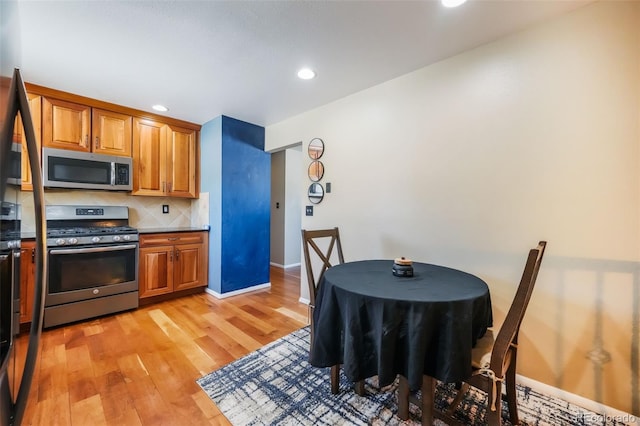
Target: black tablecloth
377,324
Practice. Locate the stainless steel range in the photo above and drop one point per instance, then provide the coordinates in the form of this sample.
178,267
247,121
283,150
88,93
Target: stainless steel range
93,262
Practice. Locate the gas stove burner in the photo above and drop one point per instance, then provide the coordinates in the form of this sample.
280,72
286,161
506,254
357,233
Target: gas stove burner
113,230
91,236
91,230
89,225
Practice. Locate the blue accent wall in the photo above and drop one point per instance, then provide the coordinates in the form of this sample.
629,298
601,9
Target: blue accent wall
245,202
236,172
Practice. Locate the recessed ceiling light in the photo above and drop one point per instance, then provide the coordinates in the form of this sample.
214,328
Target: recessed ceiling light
306,74
452,3
160,108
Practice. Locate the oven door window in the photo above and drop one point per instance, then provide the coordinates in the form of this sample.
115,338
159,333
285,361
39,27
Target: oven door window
85,268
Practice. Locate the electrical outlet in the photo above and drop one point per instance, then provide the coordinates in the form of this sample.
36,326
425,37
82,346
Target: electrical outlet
165,208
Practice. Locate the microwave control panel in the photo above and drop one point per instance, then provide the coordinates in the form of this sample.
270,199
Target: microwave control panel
122,174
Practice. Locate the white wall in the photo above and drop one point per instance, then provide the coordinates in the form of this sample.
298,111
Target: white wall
293,186
285,219
278,197
469,162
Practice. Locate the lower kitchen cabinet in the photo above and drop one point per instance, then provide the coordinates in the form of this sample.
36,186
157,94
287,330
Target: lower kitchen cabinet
171,262
27,279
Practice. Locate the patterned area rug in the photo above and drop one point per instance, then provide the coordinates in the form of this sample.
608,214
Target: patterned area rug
276,385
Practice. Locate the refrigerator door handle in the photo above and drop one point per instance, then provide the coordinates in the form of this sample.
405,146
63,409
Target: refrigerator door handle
21,103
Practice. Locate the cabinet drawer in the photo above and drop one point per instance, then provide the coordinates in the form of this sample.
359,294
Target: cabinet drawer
172,238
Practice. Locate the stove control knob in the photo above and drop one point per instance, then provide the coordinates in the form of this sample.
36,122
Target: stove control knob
116,238
95,239
60,242
126,237
72,241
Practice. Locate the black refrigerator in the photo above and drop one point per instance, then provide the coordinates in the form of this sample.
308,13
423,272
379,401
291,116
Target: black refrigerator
16,366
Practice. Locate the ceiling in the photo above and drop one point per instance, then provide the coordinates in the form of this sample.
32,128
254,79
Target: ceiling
240,58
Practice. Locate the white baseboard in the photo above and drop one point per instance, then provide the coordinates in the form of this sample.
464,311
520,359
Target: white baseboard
606,411
277,265
237,292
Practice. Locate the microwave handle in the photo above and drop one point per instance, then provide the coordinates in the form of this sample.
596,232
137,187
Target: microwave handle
113,173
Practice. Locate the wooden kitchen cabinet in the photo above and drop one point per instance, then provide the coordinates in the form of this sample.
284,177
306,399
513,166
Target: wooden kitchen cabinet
78,127
165,150
171,262
66,125
165,159
149,158
35,106
181,162
27,279
111,132
155,274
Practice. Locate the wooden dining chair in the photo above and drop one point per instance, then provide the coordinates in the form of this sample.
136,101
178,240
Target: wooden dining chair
311,240
494,356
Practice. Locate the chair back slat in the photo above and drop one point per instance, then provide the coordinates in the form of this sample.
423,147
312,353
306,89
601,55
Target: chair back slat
508,334
309,240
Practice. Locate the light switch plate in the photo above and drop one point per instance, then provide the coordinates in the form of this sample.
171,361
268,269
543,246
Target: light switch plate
165,208
309,210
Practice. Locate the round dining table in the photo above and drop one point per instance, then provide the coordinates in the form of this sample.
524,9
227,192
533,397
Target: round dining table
375,323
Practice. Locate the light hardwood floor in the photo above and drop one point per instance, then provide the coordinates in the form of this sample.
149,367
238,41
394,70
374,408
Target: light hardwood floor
140,367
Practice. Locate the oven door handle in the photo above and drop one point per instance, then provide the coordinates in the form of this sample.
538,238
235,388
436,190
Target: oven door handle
93,249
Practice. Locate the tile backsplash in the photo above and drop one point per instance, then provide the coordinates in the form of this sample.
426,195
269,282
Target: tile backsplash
144,212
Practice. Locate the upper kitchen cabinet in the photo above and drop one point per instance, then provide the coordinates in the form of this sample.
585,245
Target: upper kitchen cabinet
35,106
111,132
182,158
149,158
79,127
66,125
165,150
164,160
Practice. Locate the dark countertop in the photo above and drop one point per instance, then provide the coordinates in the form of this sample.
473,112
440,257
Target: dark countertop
32,235
169,229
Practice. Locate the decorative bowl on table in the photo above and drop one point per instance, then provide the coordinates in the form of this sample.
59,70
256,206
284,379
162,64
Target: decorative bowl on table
402,267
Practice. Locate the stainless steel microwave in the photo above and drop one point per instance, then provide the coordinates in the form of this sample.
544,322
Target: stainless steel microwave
14,164
63,168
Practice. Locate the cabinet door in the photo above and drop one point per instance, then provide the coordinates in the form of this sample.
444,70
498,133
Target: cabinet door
155,275
35,106
27,280
190,266
111,132
181,163
65,125
149,158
